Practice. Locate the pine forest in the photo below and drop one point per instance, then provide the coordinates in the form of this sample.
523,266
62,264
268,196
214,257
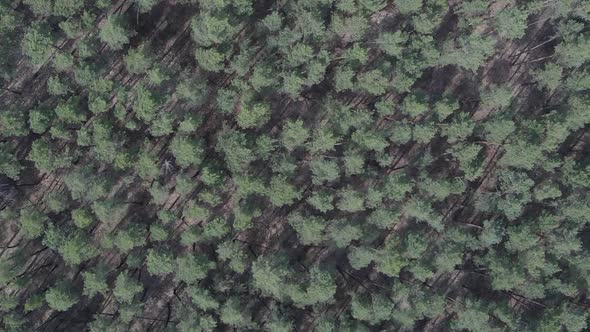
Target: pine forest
295,165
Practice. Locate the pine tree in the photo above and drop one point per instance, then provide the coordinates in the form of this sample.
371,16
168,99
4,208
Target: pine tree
61,297
115,32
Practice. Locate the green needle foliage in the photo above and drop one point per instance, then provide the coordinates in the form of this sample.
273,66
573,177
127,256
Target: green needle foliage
37,43
32,222
159,262
115,32
126,288
61,297
95,281
9,165
191,268
252,116
308,165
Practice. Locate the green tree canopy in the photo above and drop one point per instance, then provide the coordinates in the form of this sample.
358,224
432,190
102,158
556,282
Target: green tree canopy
115,32
159,262
37,43
126,288
62,296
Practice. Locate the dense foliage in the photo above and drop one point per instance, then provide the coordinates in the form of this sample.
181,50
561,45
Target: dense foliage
303,165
